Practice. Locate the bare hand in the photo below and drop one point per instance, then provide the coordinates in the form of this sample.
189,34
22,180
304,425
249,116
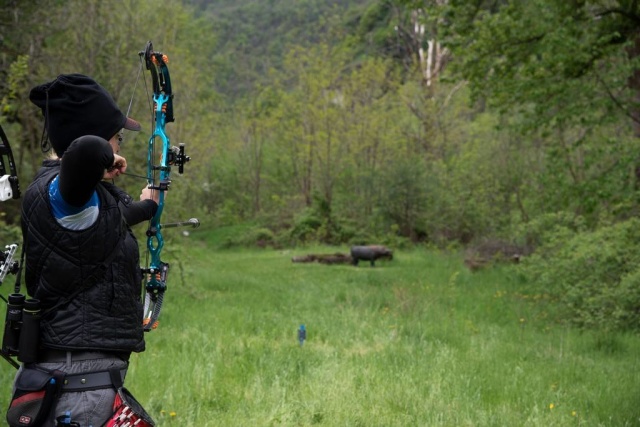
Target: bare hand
148,193
119,167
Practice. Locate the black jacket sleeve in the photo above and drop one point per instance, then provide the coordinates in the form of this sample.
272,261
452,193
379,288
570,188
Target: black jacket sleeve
82,168
134,212
137,212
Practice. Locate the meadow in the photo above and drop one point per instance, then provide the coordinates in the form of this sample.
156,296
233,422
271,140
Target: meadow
417,341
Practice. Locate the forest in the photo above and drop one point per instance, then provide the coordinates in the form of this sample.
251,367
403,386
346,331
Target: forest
497,127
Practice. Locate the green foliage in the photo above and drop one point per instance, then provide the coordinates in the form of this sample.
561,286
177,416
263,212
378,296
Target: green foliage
306,227
317,224
593,275
9,233
250,238
313,121
551,229
557,62
405,197
255,36
15,86
222,237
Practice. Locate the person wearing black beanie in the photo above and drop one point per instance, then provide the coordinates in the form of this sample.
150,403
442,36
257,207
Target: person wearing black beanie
75,105
82,260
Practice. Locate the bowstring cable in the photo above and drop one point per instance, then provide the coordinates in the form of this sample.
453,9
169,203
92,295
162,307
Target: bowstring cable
133,93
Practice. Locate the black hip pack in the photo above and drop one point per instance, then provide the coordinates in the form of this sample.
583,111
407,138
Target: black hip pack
36,392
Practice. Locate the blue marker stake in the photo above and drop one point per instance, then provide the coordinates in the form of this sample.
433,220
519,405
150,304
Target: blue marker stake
302,334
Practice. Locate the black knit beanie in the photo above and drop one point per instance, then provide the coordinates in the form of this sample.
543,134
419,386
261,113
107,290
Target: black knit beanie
75,105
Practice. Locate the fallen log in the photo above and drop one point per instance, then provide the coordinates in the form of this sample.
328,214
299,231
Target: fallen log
337,258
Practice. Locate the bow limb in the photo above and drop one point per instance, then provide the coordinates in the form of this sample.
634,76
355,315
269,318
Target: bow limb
9,185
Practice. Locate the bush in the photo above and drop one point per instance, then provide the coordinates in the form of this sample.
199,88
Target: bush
595,276
252,237
316,224
305,227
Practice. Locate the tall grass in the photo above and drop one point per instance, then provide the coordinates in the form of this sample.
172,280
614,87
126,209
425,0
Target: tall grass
418,341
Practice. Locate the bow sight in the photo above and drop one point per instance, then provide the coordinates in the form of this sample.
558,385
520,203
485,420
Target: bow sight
178,158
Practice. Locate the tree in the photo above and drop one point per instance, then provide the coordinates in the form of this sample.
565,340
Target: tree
562,72
561,63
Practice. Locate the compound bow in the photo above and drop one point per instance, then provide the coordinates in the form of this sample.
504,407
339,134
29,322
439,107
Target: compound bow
159,179
9,189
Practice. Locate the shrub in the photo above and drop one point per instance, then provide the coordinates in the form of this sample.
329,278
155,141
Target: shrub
595,276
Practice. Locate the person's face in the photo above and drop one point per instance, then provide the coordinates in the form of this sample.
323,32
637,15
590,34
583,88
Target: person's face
115,142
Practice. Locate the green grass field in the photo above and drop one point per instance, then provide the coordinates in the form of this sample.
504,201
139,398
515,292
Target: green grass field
418,341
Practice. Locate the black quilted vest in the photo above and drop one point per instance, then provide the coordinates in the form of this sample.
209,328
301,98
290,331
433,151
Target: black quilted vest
107,314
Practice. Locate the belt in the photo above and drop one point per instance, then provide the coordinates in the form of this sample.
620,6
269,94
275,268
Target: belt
86,381
52,356
94,380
